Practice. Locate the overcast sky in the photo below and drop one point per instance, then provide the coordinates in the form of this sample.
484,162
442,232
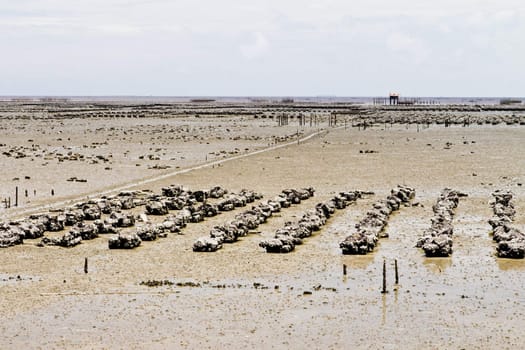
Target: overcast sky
258,48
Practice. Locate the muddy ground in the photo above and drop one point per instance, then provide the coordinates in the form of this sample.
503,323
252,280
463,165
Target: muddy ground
240,296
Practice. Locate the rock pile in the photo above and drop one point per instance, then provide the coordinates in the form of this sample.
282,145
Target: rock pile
81,231
192,208
67,240
292,234
250,219
10,235
174,197
371,228
437,240
511,241
124,241
241,199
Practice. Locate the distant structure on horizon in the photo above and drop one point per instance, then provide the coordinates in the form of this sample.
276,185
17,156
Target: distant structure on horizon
394,99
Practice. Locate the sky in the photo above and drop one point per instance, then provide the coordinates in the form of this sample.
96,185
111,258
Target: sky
262,48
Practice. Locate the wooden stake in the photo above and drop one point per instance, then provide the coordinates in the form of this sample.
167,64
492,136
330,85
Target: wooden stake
86,265
396,271
344,269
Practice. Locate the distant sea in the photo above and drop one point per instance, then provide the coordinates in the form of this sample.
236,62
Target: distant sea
262,99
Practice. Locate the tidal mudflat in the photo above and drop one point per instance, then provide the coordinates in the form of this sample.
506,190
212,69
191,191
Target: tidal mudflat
73,158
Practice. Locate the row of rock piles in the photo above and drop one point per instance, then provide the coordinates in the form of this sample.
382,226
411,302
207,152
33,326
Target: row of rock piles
189,211
371,228
437,240
35,226
292,234
112,207
511,241
175,197
250,220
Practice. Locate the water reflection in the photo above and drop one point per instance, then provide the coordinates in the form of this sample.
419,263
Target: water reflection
383,313
357,261
437,265
510,264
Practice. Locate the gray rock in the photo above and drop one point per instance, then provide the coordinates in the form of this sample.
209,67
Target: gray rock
207,244
92,212
68,240
73,216
127,241
156,208
10,237
513,249
86,231
149,232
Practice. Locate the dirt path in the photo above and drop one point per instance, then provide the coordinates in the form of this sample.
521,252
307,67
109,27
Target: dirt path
18,213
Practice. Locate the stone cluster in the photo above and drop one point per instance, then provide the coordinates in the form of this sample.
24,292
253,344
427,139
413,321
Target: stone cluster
250,220
108,214
292,234
511,241
372,226
437,240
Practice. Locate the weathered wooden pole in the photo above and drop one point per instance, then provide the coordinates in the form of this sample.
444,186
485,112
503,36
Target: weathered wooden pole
344,269
16,196
396,271
384,277
86,265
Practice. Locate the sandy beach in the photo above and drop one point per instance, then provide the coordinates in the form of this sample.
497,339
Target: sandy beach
242,296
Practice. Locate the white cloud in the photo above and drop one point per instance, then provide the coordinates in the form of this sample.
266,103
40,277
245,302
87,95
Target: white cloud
121,29
412,50
258,47
400,42
335,41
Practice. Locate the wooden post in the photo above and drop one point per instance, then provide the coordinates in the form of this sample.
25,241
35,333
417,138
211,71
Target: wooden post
396,271
27,194
86,265
383,291
16,196
344,269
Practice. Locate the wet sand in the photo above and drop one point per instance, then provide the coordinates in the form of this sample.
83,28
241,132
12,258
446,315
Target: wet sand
244,297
